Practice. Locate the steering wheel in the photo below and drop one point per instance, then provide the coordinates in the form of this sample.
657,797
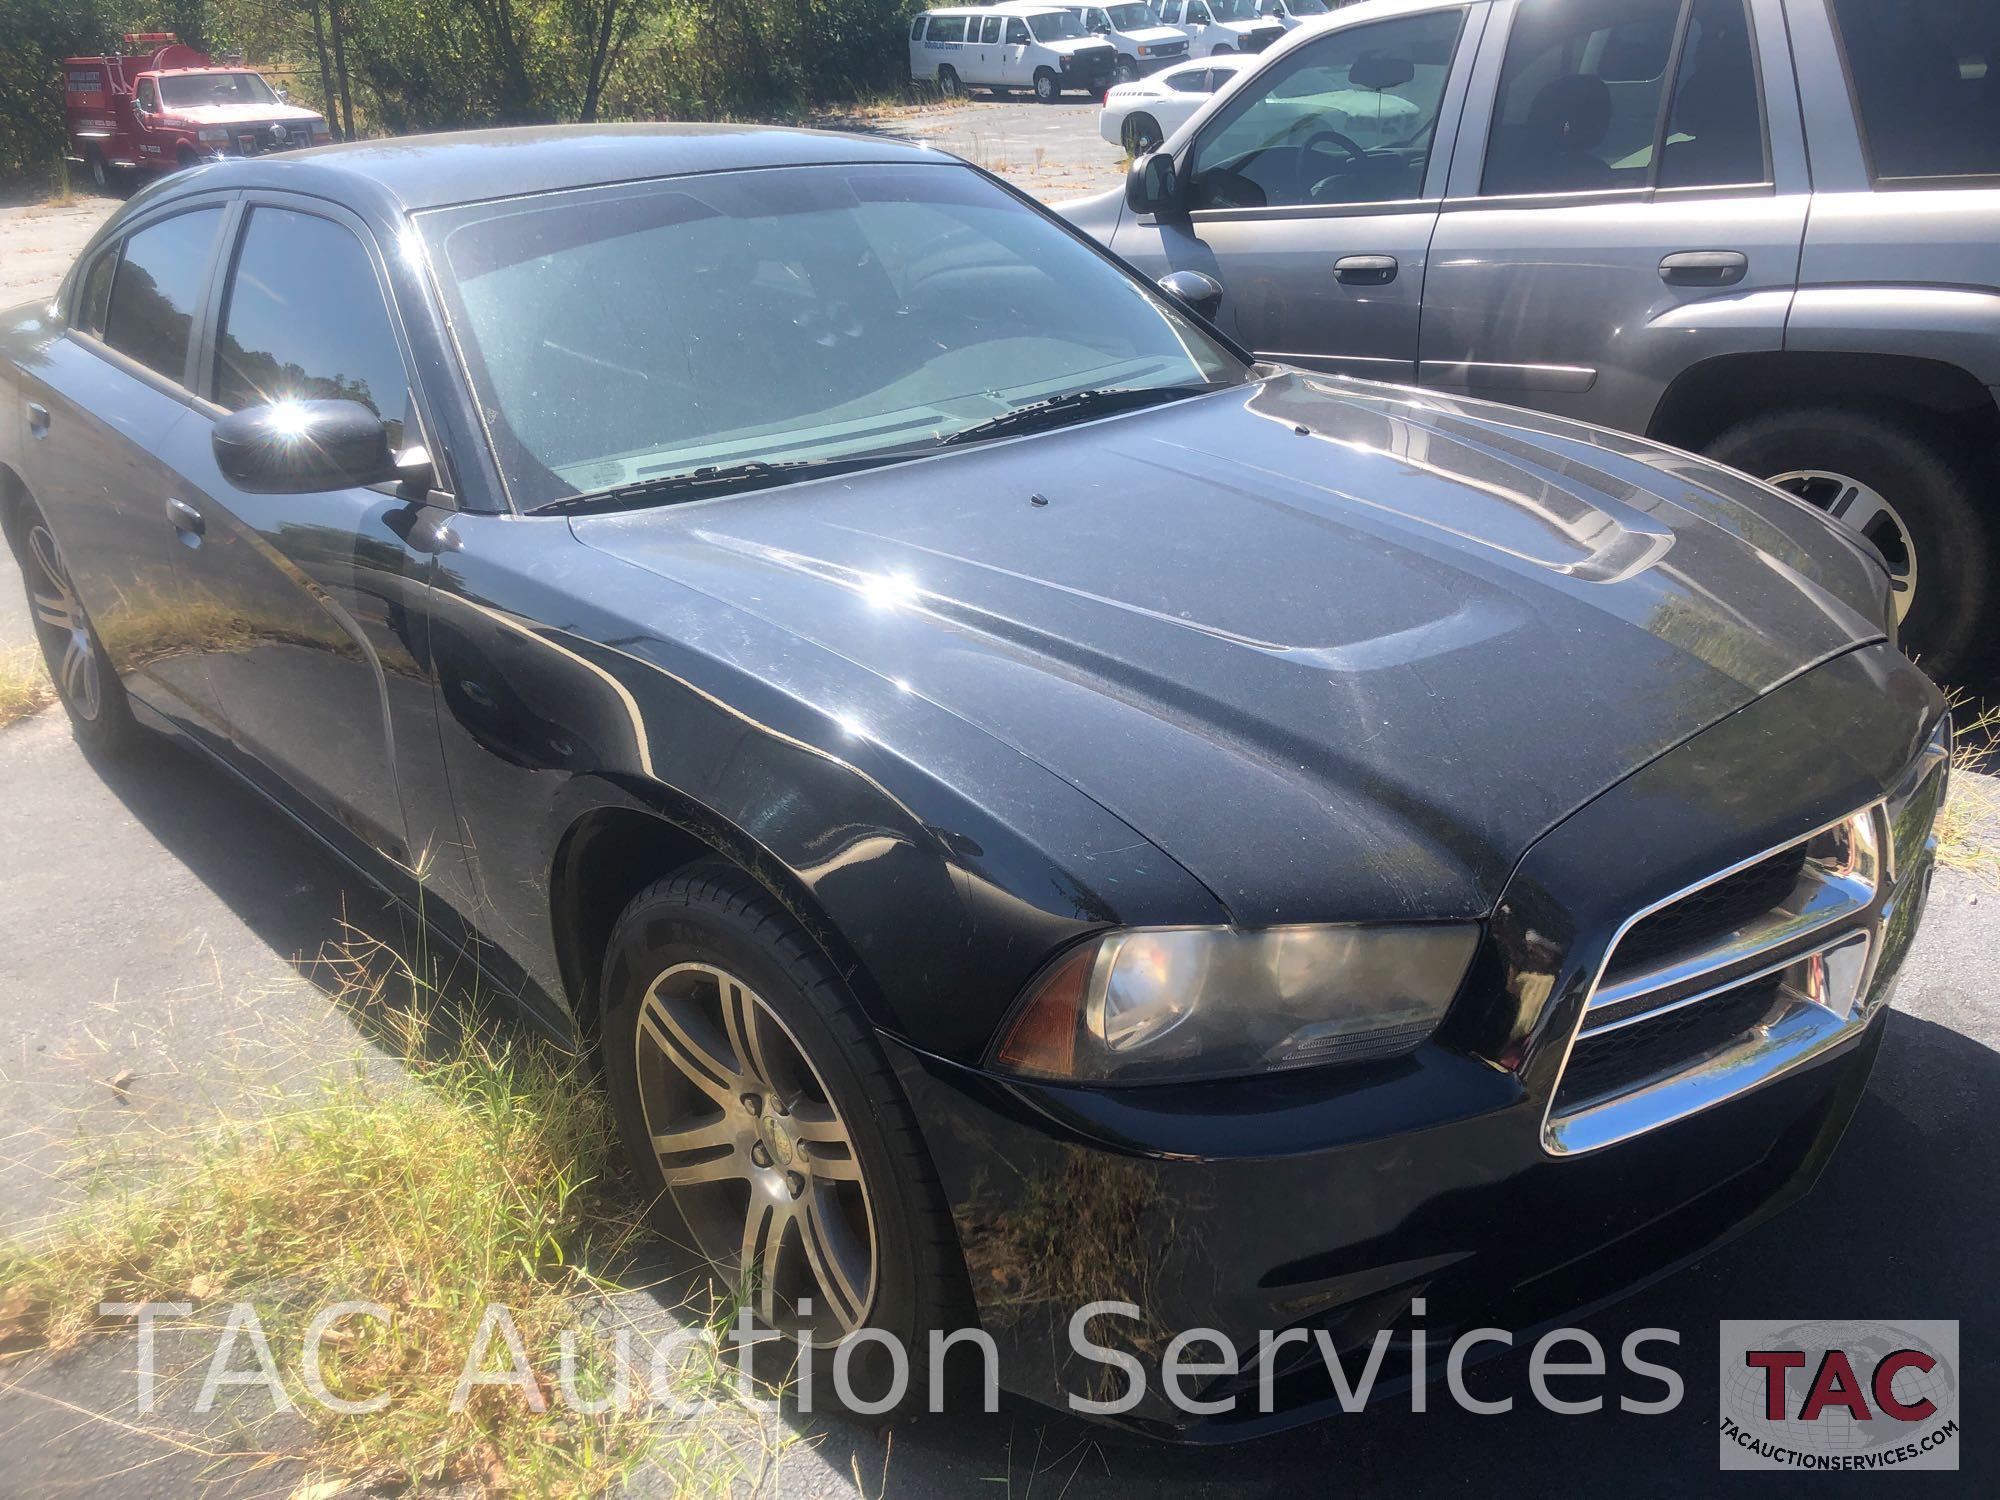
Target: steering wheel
1355,154
1359,156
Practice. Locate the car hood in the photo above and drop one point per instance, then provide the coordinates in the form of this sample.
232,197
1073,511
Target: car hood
240,114
1342,650
1154,35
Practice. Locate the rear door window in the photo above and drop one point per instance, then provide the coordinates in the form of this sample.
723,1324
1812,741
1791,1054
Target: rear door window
157,288
1926,81
1601,95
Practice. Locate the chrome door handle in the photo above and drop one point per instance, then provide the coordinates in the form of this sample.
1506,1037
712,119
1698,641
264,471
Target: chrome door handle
187,521
1366,270
1705,268
38,419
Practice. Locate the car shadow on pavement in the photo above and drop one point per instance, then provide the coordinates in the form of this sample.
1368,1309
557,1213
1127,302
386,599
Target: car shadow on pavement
1900,1226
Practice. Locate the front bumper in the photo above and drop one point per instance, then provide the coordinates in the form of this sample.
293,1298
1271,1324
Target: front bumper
1330,1199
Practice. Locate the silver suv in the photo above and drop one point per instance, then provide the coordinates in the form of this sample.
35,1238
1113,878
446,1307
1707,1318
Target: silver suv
1766,230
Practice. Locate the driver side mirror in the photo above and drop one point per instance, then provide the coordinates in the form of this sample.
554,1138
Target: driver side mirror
1153,185
302,447
1197,289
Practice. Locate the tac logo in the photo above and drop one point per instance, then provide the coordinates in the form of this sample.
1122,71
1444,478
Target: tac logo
1853,1396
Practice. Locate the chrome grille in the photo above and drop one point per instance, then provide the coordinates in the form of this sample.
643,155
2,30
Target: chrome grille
1747,974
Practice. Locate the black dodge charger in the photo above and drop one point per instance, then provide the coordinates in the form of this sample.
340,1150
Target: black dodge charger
1028,805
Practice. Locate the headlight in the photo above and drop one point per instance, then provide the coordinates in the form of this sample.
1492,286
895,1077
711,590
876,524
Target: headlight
211,133
1148,1004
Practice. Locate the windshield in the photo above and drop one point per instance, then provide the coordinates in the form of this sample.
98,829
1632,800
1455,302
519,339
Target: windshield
1233,10
1055,25
1307,7
623,334
215,88
1132,17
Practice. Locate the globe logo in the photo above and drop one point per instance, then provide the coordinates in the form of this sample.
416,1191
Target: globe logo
1836,1427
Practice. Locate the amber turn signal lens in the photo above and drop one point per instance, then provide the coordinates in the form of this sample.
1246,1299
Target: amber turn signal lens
1042,1039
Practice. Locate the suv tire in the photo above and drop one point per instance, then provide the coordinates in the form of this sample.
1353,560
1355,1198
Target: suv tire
1933,531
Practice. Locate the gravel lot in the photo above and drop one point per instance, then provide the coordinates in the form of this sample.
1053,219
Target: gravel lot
151,918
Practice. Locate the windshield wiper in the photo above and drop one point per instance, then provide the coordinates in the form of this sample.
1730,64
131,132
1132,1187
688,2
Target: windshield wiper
1055,410
752,474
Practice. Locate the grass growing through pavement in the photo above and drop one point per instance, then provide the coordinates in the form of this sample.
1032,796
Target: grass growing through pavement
479,1172
24,684
1968,826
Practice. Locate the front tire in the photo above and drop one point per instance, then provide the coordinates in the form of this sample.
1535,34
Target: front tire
1047,90
768,1129
100,715
948,83
1910,490
1126,71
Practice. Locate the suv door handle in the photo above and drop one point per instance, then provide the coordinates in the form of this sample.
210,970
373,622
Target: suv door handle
1705,268
38,419
187,521
1366,270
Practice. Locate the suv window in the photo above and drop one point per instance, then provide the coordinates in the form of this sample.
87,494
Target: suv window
156,288
1926,77
1017,33
947,29
320,337
989,29
917,29
1579,108
1349,118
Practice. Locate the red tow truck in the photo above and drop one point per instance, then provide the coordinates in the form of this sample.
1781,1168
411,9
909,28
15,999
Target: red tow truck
160,105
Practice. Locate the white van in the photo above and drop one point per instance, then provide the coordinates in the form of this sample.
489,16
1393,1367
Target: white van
1144,44
1290,13
1213,26
1039,47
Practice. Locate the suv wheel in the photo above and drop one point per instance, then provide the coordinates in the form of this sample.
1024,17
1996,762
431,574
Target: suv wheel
88,689
1046,88
1909,491
768,1128
948,83
1126,71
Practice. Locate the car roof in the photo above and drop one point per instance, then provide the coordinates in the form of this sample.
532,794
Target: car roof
416,172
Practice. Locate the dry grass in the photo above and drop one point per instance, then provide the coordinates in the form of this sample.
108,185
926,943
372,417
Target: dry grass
1968,826
481,1171
25,688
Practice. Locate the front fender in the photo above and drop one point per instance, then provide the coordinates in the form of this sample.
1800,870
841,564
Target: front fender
937,866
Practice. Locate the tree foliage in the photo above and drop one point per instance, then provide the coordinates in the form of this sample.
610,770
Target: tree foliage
440,64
